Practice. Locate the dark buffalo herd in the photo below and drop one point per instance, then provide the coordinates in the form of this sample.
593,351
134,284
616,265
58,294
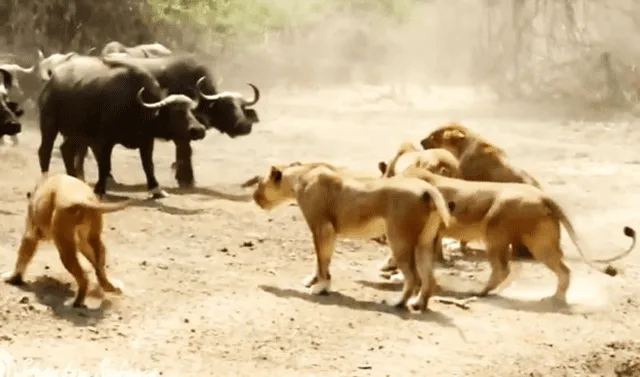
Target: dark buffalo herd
10,112
127,96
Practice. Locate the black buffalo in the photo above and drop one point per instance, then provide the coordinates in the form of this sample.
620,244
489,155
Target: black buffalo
140,51
100,104
9,111
228,112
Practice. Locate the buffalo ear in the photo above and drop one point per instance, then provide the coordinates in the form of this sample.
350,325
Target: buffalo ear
382,166
7,78
251,115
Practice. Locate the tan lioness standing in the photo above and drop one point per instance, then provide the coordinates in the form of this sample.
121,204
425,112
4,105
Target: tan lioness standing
480,160
499,214
439,161
65,210
335,204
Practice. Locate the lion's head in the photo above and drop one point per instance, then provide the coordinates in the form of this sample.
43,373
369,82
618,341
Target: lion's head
450,137
274,189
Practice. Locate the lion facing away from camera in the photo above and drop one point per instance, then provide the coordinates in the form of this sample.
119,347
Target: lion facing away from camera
64,209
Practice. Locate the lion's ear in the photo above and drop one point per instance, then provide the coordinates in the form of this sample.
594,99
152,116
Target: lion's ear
276,174
453,135
443,170
382,166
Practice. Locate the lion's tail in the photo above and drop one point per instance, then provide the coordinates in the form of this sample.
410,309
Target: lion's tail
442,207
559,213
103,207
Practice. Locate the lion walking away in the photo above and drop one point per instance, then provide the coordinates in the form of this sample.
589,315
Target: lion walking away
64,209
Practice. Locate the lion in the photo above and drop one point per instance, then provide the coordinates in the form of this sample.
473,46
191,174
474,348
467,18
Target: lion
64,209
479,160
335,204
439,161
500,214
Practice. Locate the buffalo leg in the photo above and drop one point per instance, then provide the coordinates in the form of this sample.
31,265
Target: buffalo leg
48,135
94,150
184,168
78,160
68,150
146,156
104,167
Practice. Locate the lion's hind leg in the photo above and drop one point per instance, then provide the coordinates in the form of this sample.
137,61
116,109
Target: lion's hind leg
63,231
424,264
28,248
499,258
403,252
544,244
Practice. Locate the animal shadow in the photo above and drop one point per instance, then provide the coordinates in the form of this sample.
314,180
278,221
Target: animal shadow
53,293
205,191
154,203
536,305
339,299
397,287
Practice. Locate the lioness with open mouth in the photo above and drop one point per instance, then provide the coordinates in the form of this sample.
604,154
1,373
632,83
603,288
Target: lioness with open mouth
335,204
65,210
499,214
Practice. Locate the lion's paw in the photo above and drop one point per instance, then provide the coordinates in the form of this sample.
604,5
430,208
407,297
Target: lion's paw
321,287
12,278
397,277
310,280
115,286
417,303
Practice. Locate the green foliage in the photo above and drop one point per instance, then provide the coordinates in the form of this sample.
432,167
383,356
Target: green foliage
81,24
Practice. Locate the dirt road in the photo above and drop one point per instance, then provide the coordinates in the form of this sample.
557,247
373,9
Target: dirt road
213,286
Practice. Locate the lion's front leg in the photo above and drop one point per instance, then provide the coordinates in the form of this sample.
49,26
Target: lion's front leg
324,239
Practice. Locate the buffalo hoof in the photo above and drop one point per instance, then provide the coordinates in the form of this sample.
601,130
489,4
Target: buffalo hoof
186,184
111,180
158,193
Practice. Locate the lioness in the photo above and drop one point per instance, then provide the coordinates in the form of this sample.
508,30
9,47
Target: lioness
480,160
335,204
439,161
65,210
502,213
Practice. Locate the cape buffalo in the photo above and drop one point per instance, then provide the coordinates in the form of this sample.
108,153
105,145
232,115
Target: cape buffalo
9,111
91,102
228,112
139,51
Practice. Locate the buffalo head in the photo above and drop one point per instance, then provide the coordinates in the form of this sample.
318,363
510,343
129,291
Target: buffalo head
175,112
46,65
9,111
228,112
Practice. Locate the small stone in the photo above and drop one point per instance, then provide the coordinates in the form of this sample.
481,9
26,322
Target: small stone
24,300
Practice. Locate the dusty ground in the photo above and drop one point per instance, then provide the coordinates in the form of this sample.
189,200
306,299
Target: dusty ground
214,285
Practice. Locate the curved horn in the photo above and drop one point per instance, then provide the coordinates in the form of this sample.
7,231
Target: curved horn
19,68
7,78
256,95
174,98
209,97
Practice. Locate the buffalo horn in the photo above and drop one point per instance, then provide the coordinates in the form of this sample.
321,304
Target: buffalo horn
171,99
256,95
